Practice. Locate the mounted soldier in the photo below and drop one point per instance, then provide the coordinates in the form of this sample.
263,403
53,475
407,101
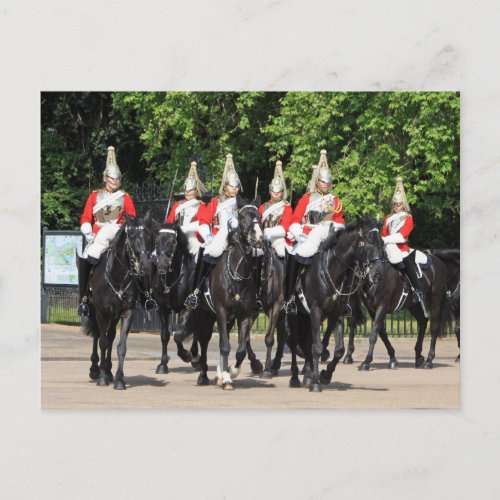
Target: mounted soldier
216,220
187,212
316,213
102,217
397,228
276,219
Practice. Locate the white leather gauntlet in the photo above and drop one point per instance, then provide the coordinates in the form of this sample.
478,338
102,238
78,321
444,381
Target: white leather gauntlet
274,232
393,238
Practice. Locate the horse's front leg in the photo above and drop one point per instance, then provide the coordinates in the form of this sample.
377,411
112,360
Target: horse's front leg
351,323
182,332
204,329
282,336
326,340
94,358
243,345
111,338
316,348
326,375
164,313
377,322
291,325
223,376
103,326
273,320
393,362
122,348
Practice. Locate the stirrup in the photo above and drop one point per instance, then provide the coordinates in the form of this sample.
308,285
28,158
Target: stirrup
83,309
347,311
291,308
150,305
192,301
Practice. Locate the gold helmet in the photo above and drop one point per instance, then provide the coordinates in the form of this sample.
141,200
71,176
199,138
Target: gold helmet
278,183
193,181
399,195
321,172
229,175
112,169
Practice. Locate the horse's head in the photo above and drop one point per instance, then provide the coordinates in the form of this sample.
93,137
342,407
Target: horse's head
249,222
370,250
167,239
139,242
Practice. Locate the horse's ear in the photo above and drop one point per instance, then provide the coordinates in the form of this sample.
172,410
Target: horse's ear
147,218
257,201
156,226
240,202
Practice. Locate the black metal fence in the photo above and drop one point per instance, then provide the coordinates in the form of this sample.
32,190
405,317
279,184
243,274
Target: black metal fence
59,306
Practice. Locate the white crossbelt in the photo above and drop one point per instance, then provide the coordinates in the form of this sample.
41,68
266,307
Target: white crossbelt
273,208
107,201
185,205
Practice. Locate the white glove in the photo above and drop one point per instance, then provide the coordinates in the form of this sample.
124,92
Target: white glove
204,231
393,238
302,238
86,229
295,231
191,227
232,223
274,232
208,240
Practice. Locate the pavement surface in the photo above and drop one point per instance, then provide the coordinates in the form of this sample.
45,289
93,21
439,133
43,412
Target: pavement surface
65,363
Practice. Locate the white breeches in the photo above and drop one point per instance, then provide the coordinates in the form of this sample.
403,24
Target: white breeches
314,239
279,245
217,246
394,254
102,241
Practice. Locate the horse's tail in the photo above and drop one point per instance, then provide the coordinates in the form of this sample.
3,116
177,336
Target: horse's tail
447,317
87,326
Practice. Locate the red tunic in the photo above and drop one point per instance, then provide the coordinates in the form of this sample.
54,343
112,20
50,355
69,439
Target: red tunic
405,230
285,219
88,216
300,216
171,216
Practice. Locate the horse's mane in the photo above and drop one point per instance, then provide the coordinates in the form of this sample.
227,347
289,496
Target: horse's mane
365,223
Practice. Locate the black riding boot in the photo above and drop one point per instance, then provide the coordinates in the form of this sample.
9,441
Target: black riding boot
84,268
411,271
292,272
258,307
202,269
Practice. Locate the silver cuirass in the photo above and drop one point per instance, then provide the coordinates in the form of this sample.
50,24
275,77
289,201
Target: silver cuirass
228,213
274,216
109,213
322,206
187,215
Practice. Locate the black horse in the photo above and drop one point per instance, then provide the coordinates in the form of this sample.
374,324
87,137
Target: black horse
231,296
272,296
172,266
451,259
325,291
385,290
116,284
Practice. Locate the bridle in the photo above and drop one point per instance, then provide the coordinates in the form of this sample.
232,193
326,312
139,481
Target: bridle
170,255
366,263
255,222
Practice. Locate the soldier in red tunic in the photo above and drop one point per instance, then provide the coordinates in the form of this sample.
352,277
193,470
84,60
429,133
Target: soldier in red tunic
215,221
276,218
187,212
102,217
309,234
397,228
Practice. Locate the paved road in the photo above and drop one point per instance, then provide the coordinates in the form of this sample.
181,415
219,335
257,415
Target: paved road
65,364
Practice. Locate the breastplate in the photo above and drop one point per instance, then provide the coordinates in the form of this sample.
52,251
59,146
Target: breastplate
226,214
274,217
187,215
320,208
396,223
108,214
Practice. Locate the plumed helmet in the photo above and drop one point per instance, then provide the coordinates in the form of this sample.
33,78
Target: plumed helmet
399,195
112,169
229,175
321,172
278,183
193,181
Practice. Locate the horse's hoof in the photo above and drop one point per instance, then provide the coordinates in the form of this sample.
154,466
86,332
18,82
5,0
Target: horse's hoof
227,386
348,360
162,369
307,382
325,355
218,381
102,381
94,374
419,362
274,372
109,377
257,367
457,359
324,377
266,374
196,366
203,379
119,385
315,388
364,367
393,365
294,383
428,365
